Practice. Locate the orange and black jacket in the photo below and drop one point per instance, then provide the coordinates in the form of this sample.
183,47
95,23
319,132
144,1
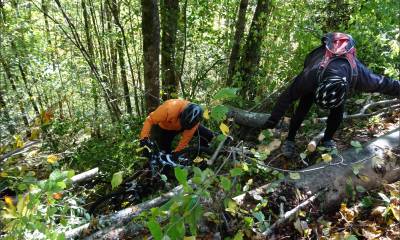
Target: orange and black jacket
167,117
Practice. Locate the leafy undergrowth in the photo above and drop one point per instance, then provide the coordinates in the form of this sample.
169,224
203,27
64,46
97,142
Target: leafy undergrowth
40,177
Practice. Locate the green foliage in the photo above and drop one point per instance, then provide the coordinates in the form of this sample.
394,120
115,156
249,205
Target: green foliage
116,179
37,212
219,112
226,94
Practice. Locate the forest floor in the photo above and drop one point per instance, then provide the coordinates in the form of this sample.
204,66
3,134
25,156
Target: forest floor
368,215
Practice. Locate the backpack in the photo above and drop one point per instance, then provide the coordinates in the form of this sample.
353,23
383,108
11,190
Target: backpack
338,45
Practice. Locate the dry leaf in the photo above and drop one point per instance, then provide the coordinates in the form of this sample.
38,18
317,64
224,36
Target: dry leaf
326,157
261,137
347,213
224,129
206,114
364,178
198,159
57,196
52,159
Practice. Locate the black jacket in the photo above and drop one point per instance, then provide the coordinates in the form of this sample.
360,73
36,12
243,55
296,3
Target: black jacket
307,81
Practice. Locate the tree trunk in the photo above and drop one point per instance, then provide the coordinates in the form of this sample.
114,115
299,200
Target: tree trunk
102,77
10,77
169,26
368,168
251,55
151,52
115,11
240,25
183,44
6,115
31,98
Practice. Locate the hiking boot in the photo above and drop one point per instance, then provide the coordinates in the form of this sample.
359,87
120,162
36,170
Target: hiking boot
288,149
330,145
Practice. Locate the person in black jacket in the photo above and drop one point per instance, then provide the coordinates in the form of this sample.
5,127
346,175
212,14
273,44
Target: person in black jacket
328,90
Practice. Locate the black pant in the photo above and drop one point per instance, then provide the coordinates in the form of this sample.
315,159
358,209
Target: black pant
163,138
334,119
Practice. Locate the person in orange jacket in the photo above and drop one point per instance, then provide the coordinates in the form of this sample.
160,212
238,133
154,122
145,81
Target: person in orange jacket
173,117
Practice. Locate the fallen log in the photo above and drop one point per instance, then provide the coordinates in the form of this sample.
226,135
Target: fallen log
19,150
122,217
312,145
368,168
85,176
247,118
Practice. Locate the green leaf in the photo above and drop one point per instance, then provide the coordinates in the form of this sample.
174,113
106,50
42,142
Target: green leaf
226,183
236,172
61,184
239,236
294,175
155,229
219,112
55,175
116,179
259,216
164,178
356,168
181,175
226,93
366,202
70,173
351,237
356,144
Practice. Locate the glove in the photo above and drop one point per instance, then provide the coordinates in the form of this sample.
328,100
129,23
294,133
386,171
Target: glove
146,142
147,145
269,124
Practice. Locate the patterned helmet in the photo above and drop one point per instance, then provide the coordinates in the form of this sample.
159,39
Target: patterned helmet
331,92
191,115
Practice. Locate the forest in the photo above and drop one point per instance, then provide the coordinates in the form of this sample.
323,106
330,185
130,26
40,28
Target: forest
79,78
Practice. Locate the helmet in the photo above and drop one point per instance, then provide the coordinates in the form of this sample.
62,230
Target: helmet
331,92
191,115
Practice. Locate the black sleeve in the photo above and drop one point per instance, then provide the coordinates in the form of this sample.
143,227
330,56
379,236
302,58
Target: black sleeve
367,81
301,85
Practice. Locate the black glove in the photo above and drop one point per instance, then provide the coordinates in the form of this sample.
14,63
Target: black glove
148,147
269,124
146,142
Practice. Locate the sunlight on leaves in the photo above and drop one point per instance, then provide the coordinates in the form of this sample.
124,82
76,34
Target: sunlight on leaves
224,129
116,179
326,157
52,159
206,114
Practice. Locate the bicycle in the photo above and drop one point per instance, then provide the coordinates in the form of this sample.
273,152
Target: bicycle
146,181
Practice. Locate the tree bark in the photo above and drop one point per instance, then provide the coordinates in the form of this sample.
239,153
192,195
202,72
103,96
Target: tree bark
169,26
251,55
119,42
31,97
4,112
101,76
184,43
374,167
240,25
123,216
151,52
10,77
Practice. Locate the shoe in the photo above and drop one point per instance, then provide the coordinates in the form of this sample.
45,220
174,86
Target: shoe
288,148
330,145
